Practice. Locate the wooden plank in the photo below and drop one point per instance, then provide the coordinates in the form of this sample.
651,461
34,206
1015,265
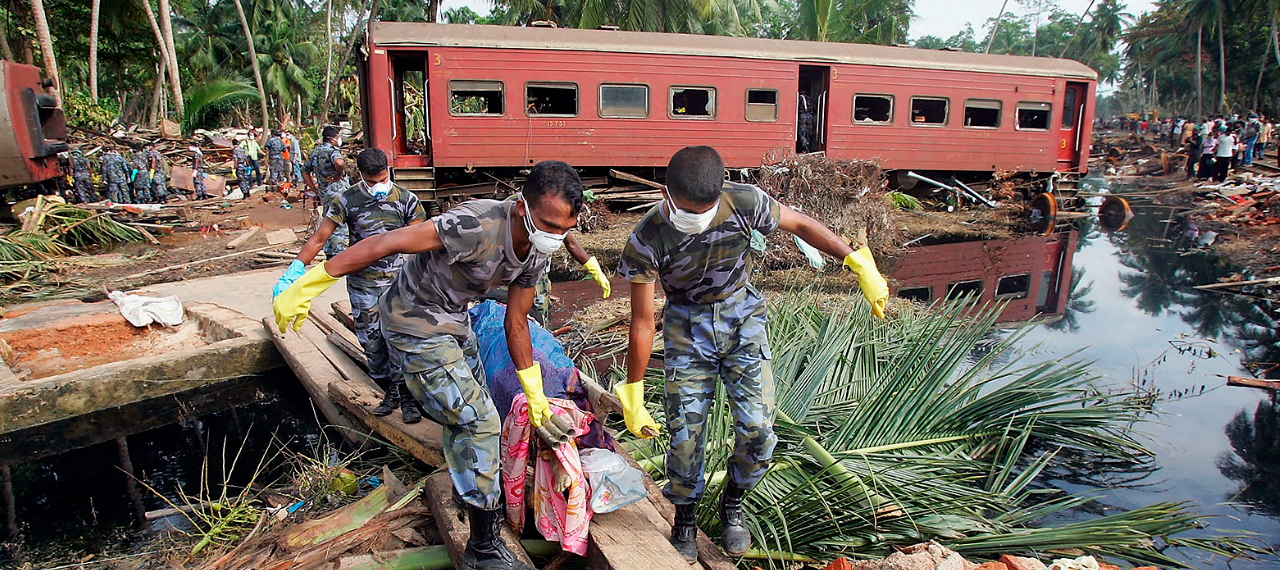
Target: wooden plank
1273,385
452,525
628,540
312,369
350,349
146,234
633,178
347,368
281,237
421,440
342,310
331,323
244,237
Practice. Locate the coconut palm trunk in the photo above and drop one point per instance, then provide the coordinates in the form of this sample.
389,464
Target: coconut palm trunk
46,47
1222,68
4,44
164,53
996,27
371,8
328,49
175,79
93,49
253,57
1199,74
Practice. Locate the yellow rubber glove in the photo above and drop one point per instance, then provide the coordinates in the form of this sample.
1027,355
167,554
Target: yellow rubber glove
593,267
295,301
531,381
631,394
874,287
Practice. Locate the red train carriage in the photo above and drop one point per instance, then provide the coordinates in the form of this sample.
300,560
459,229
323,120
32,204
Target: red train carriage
506,97
33,129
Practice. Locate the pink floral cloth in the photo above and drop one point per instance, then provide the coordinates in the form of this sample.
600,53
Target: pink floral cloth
558,518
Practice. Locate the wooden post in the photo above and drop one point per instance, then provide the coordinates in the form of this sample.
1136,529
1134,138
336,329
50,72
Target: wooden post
130,481
10,503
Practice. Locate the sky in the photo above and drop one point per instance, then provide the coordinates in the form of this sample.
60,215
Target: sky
942,18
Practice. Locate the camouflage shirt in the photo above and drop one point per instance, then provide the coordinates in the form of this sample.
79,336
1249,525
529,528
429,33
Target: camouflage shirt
113,165
241,157
430,295
156,161
701,268
366,216
274,147
320,163
79,165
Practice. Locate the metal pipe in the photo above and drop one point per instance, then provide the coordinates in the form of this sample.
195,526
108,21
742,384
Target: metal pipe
975,195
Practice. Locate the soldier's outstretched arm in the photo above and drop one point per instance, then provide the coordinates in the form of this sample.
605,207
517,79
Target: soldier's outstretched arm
814,233
640,341
417,238
316,242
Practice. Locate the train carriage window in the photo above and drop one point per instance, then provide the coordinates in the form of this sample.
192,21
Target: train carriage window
961,289
1069,109
1013,286
762,105
551,99
873,109
921,294
475,98
1033,116
691,102
624,101
982,113
929,111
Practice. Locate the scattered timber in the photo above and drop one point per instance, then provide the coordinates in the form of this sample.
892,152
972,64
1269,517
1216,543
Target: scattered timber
242,238
1273,385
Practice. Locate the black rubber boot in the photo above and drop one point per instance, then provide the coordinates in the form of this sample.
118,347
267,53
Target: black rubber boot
390,401
410,410
684,534
485,549
734,536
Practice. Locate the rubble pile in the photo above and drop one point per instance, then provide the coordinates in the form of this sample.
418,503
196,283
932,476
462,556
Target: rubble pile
1247,200
847,196
934,556
1133,155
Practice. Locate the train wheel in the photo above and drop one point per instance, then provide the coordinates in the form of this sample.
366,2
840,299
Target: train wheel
1044,213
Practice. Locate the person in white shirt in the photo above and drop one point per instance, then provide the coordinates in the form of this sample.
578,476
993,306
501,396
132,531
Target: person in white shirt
1222,157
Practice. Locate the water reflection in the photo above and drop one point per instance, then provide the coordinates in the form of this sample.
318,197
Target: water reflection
1255,465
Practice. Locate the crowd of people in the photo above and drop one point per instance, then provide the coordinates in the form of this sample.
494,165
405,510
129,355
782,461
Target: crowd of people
140,175
1215,146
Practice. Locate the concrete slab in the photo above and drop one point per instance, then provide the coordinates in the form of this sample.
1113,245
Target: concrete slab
248,292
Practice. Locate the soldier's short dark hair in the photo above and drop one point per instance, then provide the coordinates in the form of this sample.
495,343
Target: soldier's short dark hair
371,161
329,132
696,173
554,178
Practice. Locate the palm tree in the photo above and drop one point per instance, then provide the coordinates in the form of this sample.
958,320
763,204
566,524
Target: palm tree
1213,13
166,31
93,50
46,47
253,58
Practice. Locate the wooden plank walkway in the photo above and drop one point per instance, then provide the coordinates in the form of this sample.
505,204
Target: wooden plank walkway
633,538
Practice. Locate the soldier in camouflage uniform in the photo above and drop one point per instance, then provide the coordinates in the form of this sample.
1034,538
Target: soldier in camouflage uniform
197,172
116,174
140,178
324,161
275,156
457,257
696,242
241,159
373,207
83,182
340,238
159,178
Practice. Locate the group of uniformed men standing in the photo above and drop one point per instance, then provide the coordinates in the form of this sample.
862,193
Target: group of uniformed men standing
410,284
140,180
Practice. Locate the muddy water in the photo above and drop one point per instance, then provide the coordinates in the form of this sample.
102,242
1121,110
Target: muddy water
1129,303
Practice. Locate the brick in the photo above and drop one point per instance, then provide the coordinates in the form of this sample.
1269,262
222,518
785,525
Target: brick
1022,563
993,566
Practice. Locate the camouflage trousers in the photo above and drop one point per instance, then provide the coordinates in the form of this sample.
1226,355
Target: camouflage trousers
118,191
142,188
83,189
364,295
278,172
727,341
197,181
243,179
445,375
159,190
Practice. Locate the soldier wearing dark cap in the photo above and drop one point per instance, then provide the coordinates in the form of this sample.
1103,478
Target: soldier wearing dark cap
696,242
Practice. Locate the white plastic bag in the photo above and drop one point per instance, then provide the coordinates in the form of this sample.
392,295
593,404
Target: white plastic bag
614,484
141,311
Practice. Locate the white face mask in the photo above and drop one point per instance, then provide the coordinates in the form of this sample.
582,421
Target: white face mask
545,243
337,141
689,222
379,190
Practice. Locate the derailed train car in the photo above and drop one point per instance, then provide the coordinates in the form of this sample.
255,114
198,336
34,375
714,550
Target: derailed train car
33,131
450,100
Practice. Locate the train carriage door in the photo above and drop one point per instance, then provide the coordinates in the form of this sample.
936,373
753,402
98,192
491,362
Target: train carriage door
410,132
1069,143
811,108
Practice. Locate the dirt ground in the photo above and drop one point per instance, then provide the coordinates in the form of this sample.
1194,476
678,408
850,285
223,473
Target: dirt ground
85,342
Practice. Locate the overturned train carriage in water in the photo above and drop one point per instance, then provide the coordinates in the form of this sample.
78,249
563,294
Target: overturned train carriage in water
460,105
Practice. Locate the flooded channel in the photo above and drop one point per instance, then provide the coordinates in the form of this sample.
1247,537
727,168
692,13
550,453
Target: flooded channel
1126,299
